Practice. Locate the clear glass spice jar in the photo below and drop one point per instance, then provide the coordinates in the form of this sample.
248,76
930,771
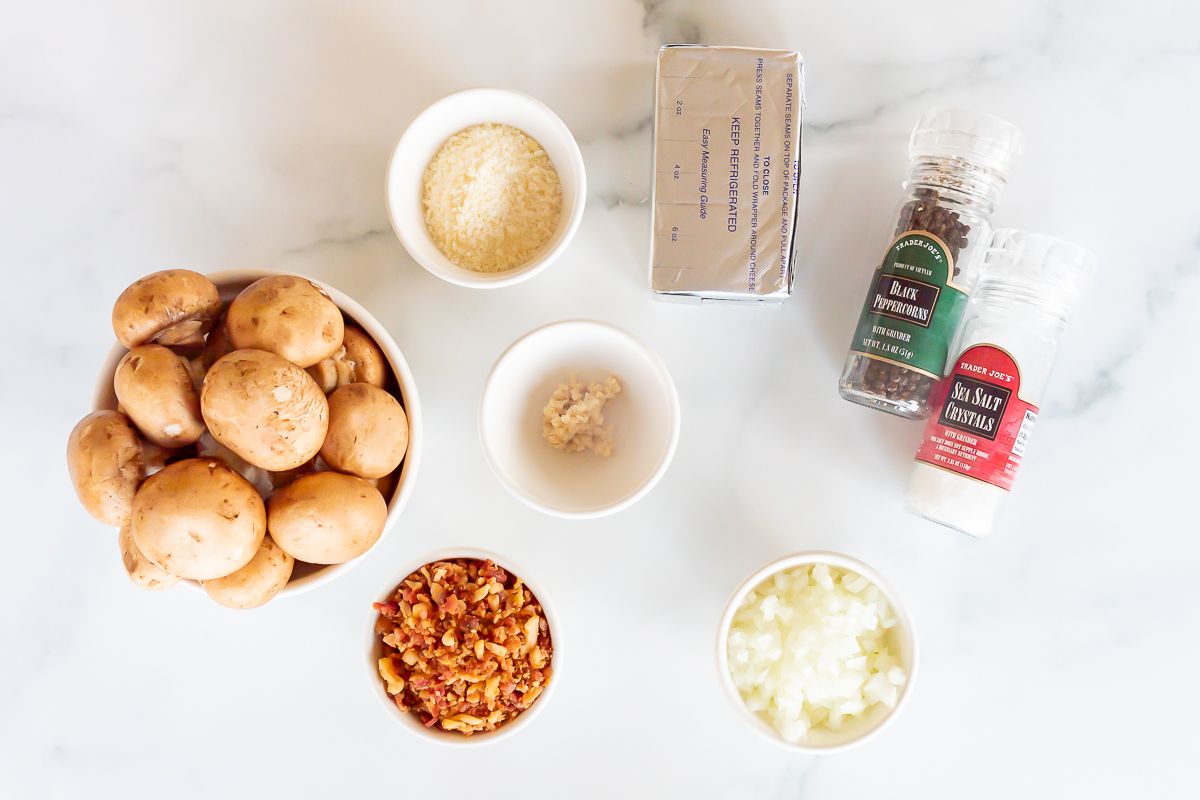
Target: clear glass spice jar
958,165
985,408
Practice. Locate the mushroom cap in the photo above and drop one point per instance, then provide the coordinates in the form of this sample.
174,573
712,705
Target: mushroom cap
358,360
286,315
143,572
368,431
326,517
155,388
198,519
171,307
257,582
104,457
265,409
369,364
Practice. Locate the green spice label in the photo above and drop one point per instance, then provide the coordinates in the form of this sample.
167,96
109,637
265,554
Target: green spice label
913,306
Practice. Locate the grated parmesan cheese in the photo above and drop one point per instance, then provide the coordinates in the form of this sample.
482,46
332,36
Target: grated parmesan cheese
491,198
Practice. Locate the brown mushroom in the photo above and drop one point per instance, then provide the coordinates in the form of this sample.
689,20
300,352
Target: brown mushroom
286,315
198,519
358,360
155,389
265,409
143,572
172,307
326,517
368,431
104,457
257,582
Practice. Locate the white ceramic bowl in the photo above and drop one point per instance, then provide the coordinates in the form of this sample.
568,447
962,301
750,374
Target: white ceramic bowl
410,721
644,419
447,117
232,281
902,641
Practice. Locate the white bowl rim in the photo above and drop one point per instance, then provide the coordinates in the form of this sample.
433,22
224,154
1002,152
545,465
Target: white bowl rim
404,377
460,276
659,367
833,559
525,717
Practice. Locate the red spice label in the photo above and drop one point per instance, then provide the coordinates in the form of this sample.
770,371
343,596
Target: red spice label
981,424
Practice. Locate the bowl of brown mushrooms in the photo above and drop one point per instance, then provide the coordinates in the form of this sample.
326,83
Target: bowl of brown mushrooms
253,434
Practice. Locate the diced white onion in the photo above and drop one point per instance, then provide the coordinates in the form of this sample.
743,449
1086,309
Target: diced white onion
808,648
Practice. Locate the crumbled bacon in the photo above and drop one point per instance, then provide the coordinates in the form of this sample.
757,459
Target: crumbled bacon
470,643
387,609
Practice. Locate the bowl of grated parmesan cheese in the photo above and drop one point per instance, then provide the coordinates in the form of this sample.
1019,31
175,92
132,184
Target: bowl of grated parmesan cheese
486,188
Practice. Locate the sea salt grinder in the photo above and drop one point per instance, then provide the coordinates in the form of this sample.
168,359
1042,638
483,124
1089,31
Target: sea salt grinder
985,409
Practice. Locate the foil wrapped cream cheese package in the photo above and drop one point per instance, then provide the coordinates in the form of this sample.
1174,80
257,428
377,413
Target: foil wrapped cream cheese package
726,171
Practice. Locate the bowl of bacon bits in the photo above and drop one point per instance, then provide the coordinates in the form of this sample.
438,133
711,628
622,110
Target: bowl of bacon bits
462,649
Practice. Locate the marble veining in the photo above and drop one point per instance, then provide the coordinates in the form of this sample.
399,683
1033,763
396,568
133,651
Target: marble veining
1056,655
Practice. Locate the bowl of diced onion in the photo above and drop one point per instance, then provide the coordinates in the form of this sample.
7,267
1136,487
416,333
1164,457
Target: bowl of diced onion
816,652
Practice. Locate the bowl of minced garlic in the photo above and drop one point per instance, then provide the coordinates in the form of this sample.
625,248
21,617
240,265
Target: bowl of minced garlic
579,419
486,188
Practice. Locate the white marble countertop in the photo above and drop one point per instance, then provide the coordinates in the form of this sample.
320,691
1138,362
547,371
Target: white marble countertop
1058,656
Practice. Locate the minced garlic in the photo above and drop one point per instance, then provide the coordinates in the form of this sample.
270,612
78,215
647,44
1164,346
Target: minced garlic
491,198
573,419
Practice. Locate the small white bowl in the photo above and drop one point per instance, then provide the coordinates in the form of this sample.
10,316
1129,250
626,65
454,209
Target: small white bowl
644,419
425,136
230,282
902,641
410,721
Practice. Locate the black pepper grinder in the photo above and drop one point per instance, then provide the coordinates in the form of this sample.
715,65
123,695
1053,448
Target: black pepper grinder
958,165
